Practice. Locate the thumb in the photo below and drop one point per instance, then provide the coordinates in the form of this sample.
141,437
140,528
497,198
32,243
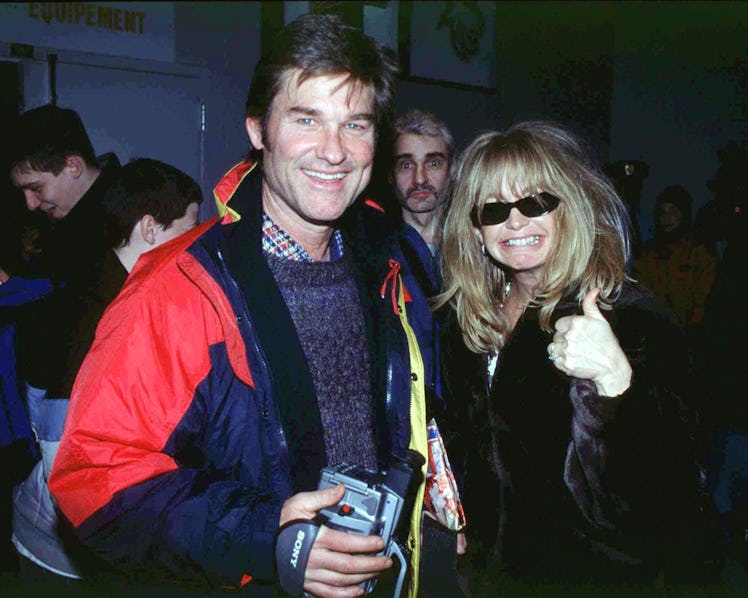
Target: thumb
589,305
327,497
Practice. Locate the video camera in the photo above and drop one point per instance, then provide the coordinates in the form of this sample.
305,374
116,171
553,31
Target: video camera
375,503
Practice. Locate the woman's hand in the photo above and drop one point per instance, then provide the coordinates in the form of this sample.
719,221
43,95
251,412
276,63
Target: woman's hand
585,347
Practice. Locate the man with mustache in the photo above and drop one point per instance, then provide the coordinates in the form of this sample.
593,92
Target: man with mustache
421,176
422,172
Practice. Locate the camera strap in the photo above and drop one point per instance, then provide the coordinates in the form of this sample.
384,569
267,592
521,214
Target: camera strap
292,548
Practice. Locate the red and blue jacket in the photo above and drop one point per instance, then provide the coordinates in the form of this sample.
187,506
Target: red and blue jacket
193,416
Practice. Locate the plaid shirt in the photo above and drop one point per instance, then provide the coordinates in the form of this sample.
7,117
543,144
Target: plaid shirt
277,242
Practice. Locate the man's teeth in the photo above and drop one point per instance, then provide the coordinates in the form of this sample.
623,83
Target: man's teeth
523,241
324,176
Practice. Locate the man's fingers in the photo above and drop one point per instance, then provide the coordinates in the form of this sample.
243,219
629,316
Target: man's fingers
305,505
319,499
341,569
332,573
319,589
338,541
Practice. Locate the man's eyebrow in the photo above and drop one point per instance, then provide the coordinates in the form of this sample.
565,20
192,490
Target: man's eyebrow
362,116
29,185
427,156
306,111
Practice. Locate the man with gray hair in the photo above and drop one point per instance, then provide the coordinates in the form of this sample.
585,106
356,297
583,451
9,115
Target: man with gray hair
423,171
421,175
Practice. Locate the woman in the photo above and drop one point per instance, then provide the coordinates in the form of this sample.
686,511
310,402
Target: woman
570,377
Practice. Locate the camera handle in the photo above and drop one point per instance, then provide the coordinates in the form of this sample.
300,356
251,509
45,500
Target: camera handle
292,548
394,550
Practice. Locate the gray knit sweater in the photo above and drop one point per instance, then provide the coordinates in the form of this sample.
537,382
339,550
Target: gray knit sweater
325,307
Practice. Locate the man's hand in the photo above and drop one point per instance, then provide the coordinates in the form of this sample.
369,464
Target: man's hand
338,561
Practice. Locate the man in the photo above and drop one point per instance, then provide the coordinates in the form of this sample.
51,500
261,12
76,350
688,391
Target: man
148,204
422,172
52,162
421,176
240,361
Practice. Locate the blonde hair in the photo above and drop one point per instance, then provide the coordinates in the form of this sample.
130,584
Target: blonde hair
592,244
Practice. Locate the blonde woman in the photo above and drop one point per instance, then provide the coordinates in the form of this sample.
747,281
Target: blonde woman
568,375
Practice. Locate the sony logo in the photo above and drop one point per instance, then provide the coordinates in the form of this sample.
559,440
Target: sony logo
297,547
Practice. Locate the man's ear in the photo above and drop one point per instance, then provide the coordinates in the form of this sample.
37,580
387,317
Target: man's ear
254,130
148,226
75,165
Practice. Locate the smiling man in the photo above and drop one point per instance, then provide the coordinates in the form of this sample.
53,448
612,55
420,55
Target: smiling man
254,353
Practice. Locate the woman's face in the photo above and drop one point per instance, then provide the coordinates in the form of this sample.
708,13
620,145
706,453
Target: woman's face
520,243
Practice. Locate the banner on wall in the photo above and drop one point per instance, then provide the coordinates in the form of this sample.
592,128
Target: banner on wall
133,29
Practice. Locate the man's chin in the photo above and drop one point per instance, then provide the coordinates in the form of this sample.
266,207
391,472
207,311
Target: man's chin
420,208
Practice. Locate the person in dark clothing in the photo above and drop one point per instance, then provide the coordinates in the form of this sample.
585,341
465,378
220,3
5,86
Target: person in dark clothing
571,380
721,374
422,172
421,175
52,162
18,448
147,205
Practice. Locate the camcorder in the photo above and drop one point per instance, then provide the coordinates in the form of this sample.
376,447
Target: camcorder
375,503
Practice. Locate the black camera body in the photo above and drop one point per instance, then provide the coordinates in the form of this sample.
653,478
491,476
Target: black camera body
377,503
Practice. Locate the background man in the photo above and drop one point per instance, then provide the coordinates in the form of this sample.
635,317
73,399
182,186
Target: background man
148,204
217,390
422,172
53,163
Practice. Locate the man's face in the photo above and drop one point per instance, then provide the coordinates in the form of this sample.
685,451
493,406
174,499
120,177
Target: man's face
54,194
670,217
421,171
320,136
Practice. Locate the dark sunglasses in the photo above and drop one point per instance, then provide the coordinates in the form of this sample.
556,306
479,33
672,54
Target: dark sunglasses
531,206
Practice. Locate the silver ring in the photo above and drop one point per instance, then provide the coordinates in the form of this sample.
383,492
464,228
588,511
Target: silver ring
552,358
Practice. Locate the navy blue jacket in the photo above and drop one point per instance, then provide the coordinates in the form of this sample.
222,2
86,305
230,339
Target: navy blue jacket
183,435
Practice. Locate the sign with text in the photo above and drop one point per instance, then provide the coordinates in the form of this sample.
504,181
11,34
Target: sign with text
133,29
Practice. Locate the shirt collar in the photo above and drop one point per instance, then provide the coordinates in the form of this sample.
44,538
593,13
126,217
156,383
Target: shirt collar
278,243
